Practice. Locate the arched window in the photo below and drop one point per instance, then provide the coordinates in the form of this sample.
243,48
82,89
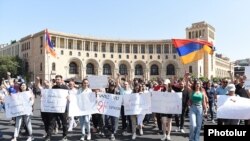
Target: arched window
170,69
73,68
154,70
90,68
138,70
53,66
106,69
123,69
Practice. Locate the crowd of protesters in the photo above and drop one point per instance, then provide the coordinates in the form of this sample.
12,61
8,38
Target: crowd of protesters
198,99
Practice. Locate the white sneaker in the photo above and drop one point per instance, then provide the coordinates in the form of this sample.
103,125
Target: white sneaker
182,131
213,121
177,129
164,137
168,137
74,125
29,139
141,131
112,137
70,129
82,138
89,136
134,136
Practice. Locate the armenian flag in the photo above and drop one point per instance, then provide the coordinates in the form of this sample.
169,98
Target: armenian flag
49,45
192,50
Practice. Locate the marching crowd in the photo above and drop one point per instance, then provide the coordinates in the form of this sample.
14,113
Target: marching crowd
198,99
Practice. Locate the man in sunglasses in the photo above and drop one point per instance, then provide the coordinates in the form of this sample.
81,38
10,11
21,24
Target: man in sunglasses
221,90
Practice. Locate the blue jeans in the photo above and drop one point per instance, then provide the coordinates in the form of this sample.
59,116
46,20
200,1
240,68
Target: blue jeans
114,123
195,115
85,122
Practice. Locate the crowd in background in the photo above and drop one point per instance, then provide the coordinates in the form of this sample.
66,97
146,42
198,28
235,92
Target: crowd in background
199,100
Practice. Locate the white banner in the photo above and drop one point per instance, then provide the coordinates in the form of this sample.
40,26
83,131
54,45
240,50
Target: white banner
97,82
82,104
247,72
18,104
109,104
135,104
54,100
233,107
166,102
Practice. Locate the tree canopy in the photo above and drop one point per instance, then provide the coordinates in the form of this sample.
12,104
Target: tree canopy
10,64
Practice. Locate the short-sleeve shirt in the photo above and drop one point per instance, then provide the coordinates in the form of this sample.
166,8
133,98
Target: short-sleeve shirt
221,91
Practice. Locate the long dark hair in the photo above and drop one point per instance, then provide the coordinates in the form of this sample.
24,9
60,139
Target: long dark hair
195,83
27,88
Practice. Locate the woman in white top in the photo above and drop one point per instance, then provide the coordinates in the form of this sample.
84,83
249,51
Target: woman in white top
27,118
85,120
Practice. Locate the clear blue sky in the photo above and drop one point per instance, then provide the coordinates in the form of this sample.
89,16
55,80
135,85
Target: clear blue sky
130,19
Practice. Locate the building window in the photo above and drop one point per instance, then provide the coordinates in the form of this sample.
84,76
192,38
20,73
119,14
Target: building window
119,48
150,56
41,41
135,49
142,48
87,54
174,56
173,49
79,46
158,49
61,52
70,53
69,44
103,47
112,56
41,66
90,68
87,45
170,69
166,57
138,69
79,53
127,48
123,69
96,46
135,57
150,49
159,57
120,56
154,70
189,35
166,48
41,51
53,66
73,68
106,69
103,55
111,48
142,57
127,56
95,55
190,69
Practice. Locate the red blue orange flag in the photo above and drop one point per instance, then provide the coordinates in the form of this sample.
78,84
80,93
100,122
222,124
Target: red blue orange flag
49,45
192,50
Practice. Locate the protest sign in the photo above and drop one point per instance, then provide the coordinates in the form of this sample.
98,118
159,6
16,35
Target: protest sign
233,107
109,104
54,100
135,103
166,102
18,104
97,82
82,104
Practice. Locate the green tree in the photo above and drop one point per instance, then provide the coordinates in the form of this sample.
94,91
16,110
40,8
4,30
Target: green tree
10,64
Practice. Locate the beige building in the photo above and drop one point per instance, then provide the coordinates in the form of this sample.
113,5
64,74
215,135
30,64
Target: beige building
79,56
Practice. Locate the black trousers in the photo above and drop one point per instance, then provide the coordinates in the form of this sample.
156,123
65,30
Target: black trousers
45,119
52,122
180,119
